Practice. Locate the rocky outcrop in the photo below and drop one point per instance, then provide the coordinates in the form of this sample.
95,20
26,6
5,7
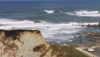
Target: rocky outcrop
19,43
89,33
95,36
30,43
92,25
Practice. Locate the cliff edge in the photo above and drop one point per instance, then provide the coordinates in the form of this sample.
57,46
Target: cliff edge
30,43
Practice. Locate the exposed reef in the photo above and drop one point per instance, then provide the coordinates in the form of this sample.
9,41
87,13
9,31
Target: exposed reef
30,43
93,36
91,25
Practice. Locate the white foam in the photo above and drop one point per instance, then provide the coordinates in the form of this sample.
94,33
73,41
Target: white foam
84,23
85,13
7,21
49,11
49,30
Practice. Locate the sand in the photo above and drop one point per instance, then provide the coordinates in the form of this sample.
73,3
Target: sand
89,54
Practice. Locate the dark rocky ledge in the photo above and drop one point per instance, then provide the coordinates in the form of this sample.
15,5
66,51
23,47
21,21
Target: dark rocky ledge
91,36
89,25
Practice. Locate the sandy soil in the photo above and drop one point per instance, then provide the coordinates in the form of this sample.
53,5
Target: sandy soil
81,49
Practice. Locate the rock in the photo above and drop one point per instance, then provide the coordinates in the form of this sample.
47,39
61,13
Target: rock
95,36
19,43
91,25
30,43
37,21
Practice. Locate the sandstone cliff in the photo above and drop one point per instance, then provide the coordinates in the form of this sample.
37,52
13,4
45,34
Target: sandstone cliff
30,43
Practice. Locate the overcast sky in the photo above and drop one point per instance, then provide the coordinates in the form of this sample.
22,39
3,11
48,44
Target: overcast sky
47,0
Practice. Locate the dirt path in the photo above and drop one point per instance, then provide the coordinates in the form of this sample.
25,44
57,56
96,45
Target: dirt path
81,49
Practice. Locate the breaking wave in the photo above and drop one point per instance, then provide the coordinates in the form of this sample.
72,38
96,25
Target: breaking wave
51,31
84,13
49,11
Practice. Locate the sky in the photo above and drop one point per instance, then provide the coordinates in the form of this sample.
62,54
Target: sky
47,0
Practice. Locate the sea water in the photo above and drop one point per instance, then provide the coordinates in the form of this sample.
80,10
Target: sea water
57,20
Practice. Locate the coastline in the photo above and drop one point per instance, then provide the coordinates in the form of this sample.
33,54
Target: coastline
31,43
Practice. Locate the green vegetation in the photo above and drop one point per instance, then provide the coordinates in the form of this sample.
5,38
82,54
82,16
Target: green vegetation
66,51
60,51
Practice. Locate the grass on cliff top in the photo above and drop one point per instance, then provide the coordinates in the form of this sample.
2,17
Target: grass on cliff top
60,51
66,51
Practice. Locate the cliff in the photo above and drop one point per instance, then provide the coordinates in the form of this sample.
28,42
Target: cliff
30,43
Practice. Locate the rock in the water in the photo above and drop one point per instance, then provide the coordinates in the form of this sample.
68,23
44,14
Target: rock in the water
92,25
37,21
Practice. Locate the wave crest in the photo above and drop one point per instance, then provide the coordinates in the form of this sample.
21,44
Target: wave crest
61,31
49,11
84,13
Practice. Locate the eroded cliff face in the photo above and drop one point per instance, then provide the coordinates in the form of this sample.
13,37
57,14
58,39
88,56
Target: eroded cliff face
20,43
30,43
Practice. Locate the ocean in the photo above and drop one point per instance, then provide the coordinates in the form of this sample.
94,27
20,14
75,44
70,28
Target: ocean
57,20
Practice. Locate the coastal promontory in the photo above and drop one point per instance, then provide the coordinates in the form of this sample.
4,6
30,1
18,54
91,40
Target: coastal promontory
31,43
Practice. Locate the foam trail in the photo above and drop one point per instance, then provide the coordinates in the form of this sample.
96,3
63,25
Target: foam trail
84,23
6,21
84,13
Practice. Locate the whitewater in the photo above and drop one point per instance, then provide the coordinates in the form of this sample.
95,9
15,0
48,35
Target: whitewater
59,22
84,13
62,32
